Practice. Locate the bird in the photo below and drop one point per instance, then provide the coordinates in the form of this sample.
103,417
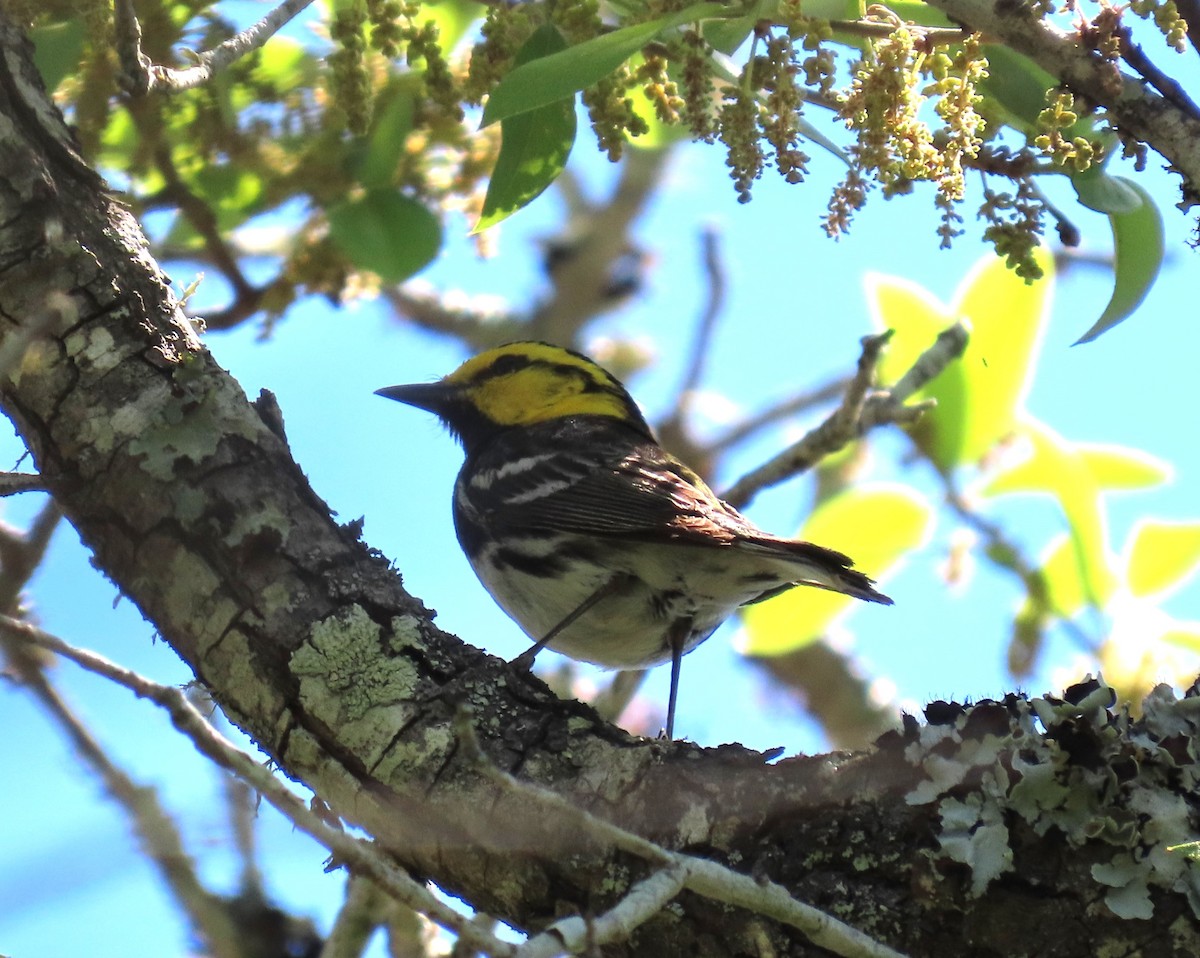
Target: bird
598,542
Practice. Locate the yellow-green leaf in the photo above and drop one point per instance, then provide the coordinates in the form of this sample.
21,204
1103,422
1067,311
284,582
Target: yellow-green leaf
1120,468
1184,634
1162,556
1060,569
877,525
980,397
1056,468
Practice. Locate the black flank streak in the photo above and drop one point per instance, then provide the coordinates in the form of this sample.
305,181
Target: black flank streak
540,567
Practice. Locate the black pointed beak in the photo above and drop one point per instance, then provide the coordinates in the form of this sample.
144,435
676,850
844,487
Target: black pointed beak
431,396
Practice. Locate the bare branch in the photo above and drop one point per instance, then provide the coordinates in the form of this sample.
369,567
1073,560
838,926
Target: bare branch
159,837
780,410
949,346
142,76
858,413
360,856
1133,54
693,373
363,910
454,315
934,36
576,934
13,482
596,238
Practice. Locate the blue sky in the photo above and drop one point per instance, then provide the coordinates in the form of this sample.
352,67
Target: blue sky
795,313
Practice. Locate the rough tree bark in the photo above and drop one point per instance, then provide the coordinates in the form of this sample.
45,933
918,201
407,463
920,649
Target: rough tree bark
978,834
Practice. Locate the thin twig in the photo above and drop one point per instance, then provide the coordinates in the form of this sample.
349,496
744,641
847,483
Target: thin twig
204,221
858,413
714,272
21,552
704,877
1133,54
159,836
478,326
242,814
998,544
773,414
576,934
363,910
359,856
934,36
950,344
839,428
144,76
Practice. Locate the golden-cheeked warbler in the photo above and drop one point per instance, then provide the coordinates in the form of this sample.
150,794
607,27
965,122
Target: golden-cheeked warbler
598,542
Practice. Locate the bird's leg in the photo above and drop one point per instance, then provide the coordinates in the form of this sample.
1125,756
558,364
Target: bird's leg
677,637
607,588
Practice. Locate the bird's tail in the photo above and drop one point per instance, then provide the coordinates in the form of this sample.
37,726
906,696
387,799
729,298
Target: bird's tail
823,568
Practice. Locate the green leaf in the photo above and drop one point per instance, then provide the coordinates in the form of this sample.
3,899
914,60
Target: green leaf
1121,469
1103,193
979,398
231,191
877,525
1138,255
1184,634
284,65
534,146
57,48
1161,556
1018,86
1054,467
550,79
910,11
1060,569
452,17
725,36
391,123
387,233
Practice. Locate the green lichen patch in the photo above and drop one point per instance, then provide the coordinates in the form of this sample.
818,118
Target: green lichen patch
177,431
1123,788
350,684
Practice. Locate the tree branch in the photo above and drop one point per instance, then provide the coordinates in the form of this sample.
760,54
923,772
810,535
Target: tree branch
1132,108
857,413
142,75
